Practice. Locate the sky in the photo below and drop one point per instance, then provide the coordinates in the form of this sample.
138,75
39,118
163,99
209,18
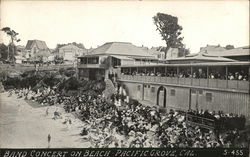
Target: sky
94,23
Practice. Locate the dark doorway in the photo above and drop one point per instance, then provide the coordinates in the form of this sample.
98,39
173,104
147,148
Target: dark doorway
96,74
161,96
92,74
195,99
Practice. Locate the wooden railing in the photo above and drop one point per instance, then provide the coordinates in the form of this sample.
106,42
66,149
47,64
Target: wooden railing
210,83
200,121
79,65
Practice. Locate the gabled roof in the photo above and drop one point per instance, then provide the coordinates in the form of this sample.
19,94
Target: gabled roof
120,48
40,44
240,51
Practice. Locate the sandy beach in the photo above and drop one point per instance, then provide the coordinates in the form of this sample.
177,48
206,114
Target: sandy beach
26,126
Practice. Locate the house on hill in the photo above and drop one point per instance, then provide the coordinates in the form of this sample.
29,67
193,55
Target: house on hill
155,52
20,56
37,50
70,52
172,53
159,52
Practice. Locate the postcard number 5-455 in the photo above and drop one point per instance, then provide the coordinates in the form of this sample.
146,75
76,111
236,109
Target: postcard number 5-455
238,152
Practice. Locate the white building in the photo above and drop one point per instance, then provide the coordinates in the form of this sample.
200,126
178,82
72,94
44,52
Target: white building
70,52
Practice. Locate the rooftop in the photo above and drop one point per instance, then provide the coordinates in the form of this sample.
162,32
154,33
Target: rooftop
240,51
120,48
40,44
202,57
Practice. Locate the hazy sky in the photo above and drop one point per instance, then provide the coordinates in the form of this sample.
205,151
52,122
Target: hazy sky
94,23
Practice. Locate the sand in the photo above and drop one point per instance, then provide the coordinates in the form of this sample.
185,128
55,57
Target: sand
25,126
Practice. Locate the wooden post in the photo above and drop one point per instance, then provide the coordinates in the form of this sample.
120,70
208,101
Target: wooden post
166,70
207,76
197,100
226,72
190,97
191,75
227,75
178,70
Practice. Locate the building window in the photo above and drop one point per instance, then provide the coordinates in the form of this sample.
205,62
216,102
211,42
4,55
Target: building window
193,91
83,60
93,60
200,92
138,87
172,92
209,97
152,89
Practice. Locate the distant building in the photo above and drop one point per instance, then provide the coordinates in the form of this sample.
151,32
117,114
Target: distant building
172,53
71,52
21,50
19,59
37,50
157,53
21,54
197,58
212,48
240,53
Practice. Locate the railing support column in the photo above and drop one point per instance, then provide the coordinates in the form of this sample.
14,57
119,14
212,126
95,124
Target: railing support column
207,76
178,70
226,76
191,75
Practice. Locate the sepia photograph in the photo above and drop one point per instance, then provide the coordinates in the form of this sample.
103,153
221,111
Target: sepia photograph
124,74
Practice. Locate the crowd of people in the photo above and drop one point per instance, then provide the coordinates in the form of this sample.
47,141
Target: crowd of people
134,125
238,75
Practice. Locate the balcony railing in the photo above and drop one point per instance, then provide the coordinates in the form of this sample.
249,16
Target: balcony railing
210,83
200,121
79,65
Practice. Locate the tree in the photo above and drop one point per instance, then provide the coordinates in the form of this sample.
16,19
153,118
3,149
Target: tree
13,36
169,29
229,47
3,51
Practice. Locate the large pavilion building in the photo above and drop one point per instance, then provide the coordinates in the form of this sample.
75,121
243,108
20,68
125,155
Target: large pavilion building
104,60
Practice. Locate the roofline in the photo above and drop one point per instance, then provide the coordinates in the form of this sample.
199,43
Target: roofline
102,54
117,42
206,59
191,64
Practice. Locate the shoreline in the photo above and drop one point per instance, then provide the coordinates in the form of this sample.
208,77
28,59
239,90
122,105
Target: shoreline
21,128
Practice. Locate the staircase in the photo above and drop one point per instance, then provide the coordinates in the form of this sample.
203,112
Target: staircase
109,89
